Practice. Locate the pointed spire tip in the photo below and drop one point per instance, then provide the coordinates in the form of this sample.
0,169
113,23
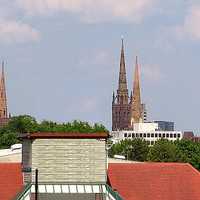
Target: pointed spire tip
2,68
136,60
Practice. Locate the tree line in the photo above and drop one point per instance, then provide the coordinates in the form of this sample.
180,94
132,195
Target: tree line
28,124
162,151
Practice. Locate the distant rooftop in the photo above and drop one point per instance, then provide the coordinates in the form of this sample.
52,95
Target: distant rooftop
14,154
113,160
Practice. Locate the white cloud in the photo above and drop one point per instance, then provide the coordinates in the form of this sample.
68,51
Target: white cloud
92,10
191,25
14,31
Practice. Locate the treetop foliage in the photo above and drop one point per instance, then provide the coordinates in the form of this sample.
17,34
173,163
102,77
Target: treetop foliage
162,151
135,149
28,124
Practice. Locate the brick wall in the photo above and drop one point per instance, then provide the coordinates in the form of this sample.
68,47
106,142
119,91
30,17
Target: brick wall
69,160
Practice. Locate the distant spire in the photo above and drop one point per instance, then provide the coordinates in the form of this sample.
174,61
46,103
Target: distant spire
131,97
113,101
3,100
122,92
136,61
3,67
136,115
136,84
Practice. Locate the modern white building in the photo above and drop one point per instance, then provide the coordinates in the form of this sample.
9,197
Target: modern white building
147,131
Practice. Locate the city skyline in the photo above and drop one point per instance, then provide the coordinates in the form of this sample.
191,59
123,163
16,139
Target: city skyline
57,69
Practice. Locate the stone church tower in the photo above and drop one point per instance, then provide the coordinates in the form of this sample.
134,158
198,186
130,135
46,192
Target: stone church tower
3,100
136,106
127,110
120,102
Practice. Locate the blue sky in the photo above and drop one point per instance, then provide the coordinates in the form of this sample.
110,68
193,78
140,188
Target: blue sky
62,57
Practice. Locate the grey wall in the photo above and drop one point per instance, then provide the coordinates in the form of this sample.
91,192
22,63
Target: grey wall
26,160
69,160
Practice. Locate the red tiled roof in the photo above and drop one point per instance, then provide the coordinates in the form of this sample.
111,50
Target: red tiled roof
155,181
11,181
72,135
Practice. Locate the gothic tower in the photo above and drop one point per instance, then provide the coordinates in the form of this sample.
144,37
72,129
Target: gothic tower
120,103
127,110
136,107
3,100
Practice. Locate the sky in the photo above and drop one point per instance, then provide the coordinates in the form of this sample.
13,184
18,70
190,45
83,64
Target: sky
62,57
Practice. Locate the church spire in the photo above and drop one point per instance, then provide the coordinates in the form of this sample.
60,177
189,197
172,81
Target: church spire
136,112
3,100
113,100
122,92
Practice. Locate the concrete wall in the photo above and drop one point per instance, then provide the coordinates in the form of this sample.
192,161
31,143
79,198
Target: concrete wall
69,160
145,127
117,136
26,160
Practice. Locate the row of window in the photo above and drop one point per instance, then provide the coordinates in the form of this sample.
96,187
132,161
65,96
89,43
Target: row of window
152,135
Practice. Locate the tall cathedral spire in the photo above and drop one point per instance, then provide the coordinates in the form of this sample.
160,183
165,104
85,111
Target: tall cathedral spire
3,100
122,92
136,110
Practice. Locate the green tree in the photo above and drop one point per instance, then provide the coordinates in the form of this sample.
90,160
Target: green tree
132,149
139,150
190,150
28,124
23,124
8,139
47,126
165,151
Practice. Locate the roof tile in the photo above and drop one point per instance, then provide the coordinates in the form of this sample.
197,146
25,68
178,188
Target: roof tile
11,181
155,181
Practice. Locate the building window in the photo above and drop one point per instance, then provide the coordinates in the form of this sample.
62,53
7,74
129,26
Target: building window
148,142
133,135
156,134
141,135
148,134
125,134
159,134
163,135
167,135
179,135
152,135
136,134
171,135
144,135
175,135
129,135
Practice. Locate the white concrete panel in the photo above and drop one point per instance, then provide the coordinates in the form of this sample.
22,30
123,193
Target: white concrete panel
65,188
96,189
57,188
42,189
88,189
49,188
73,189
80,189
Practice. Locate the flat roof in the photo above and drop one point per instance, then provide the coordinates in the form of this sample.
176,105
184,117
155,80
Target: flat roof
63,135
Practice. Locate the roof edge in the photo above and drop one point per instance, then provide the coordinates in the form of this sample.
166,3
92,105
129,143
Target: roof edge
64,135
